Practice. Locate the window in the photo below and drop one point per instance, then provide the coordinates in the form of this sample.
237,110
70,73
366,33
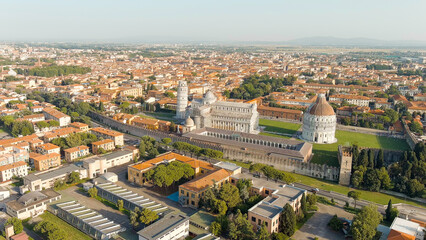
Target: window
253,219
193,203
266,191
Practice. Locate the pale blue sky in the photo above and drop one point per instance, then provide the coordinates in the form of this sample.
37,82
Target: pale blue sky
206,20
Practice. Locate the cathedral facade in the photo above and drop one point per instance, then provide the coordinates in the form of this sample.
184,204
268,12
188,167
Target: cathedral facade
233,116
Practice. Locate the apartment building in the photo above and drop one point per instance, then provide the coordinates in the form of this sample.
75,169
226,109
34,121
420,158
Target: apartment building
31,204
268,211
74,153
62,118
19,169
279,113
153,124
48,148
351,99
80,126
44,162
131,91
136,172
170,227
191,192
33,118
117,137
106,144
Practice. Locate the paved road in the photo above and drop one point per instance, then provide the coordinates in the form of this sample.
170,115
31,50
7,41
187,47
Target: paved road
316,226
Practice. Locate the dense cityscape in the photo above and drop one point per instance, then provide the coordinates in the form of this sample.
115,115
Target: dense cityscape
211,141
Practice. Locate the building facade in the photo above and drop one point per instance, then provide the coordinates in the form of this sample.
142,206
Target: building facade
44,162
58,116
319,122
117,137
106,144
7,172
76,152
232,116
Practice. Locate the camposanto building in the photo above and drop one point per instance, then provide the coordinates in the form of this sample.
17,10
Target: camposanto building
319,122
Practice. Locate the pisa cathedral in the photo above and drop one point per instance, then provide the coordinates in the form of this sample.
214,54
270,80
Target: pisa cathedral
209,112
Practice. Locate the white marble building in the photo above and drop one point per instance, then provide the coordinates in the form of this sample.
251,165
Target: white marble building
319,122
182,100
232,116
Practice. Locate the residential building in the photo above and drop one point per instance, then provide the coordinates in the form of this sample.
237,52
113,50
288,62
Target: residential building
407,229
117,137
48,148
279,113
81,126
106,144
44,162
191,192
136,172
18,169
31,204
169,227
74,153
62,118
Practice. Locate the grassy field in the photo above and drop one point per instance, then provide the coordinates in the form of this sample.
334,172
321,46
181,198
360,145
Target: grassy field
160,115
73,233
279,127
327,153
376,197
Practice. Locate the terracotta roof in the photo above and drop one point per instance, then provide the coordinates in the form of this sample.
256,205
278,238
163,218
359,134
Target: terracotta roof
12,165
321,107
206,181
396,235
107,132
46,157
101,142
75,149
48,146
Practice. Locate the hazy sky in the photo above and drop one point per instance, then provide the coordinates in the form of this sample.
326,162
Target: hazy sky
206,20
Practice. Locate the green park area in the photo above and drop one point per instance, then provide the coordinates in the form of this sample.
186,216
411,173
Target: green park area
327,153
377,197
166,116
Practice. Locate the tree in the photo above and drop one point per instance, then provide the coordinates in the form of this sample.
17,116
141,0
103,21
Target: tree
74,177
388,209
262,233
240,227
371,180
384,178
335,223
393,214
288,220
354,195
147,216
120,204
414,187
166,141
303,204
220,207
311,199
16,223
279,236
93,192
230,194
380,161
415,127
215,228
365,223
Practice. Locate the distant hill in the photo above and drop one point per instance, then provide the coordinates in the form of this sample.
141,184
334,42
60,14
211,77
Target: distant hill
334,41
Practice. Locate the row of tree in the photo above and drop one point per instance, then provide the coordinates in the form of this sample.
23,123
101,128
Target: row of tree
271,172
198,151
165,175
54,71
16,128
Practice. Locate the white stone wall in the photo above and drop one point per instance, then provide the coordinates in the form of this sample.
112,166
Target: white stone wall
319,129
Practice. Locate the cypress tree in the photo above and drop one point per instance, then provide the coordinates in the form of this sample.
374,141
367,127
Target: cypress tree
371,158
388,210
380,162
303,204
288,220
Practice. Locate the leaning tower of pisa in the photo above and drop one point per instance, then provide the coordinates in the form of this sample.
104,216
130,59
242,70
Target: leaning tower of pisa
182,100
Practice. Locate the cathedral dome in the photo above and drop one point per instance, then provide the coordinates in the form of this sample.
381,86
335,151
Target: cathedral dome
321,107
209,97
189,122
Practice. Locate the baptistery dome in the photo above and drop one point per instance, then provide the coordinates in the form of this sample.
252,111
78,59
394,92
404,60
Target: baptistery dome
319,122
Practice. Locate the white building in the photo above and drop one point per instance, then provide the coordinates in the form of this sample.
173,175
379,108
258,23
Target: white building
31,204
182,100
19,169
170,227
232,116
319,122
58,116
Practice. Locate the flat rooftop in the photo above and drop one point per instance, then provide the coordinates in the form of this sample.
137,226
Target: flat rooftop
162,226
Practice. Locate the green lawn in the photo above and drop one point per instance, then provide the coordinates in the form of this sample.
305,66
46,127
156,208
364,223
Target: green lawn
376,197
279,127
327,153
72,232
160,115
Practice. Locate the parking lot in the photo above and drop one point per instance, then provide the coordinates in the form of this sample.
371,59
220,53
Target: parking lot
316,226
